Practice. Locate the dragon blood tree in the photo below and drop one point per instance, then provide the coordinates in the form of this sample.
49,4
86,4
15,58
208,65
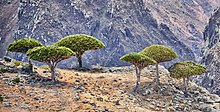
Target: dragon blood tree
80,43
51,55
159,53
23,45
186,69
140,61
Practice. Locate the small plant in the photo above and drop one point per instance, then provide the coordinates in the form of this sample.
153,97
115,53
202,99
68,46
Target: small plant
140,61
186,69
1,98
16,80
51,55
26,65
80,43
2,70
159,53
23,45
17,63
44,67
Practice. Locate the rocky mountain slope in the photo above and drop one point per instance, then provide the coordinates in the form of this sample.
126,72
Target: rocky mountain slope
211,80
123,25
186,19
107,90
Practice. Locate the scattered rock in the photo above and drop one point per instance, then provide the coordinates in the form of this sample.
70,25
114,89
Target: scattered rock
77,81
117,102
93,104
205,108
99,98
7,59
1,63
147,92
77,74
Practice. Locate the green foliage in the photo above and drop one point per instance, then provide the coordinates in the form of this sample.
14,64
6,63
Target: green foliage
2,70
80,43
159,53
49,53
138,59
44,67
186,69
26,65
16,80
1,98
23,45
17,63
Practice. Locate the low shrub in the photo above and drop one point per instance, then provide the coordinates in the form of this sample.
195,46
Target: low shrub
44,67
16,80
2,70
1,98
17,63
26,65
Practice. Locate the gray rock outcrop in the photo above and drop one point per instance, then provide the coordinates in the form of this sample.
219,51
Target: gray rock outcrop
211,57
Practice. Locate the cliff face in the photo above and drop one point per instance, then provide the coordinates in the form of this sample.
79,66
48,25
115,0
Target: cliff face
124,26
186,19
211,80
8,23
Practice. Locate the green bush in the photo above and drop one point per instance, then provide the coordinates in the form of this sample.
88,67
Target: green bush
16,80
51,55
44,67
2,70
80,43
26,65
139,61
1,98
17,63
159,53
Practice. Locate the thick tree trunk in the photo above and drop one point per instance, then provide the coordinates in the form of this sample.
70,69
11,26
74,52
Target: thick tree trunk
187,81
30,65
185,87
53,75
137,80
79,57
157,76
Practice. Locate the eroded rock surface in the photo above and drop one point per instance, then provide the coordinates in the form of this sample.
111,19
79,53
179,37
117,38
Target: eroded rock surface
211,57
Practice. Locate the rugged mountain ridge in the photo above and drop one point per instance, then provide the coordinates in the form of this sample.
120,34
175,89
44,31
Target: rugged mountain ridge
186,19
124,26
211,80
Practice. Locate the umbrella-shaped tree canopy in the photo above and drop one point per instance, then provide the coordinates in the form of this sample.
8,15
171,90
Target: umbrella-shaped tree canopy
138,59
50,53
186,69
80,42
159,53
23,45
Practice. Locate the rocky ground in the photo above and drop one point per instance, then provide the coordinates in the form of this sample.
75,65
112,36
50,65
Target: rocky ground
101,89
